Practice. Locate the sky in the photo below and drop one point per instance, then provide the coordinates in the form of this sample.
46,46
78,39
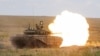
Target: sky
87,8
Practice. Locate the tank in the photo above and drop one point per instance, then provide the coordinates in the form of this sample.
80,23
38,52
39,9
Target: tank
36,38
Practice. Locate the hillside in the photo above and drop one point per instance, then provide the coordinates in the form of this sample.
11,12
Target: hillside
12,25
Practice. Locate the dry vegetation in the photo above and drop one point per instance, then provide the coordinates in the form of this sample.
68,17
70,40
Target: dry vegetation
12,25
68,51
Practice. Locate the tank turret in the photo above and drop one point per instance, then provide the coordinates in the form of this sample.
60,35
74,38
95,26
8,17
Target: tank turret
38,31
36,38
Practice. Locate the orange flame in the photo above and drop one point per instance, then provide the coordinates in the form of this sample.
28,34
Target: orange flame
73,28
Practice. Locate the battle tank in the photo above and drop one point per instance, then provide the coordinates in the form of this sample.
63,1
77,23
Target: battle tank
36,38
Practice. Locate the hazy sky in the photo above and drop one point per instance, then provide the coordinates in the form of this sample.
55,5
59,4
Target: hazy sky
88,8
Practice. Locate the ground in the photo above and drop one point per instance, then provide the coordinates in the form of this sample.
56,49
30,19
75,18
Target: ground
12,25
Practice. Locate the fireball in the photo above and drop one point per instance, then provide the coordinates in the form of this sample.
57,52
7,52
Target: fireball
72,28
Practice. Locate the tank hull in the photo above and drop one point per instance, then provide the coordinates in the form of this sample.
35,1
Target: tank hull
36,41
